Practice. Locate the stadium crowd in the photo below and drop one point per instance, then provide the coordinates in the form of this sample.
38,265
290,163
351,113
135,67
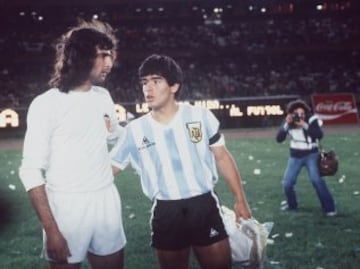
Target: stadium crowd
222,56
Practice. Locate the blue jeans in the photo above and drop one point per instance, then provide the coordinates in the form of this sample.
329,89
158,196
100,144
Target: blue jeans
290,176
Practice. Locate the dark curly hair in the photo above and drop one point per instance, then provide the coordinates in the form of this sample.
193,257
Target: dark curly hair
76,53
298,103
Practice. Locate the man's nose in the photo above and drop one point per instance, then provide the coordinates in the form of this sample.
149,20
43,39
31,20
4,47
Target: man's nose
108,62
147,88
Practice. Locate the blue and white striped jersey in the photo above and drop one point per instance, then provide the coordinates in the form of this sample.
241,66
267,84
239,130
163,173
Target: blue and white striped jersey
174,161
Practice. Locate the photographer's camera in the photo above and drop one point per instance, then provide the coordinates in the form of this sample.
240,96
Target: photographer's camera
296,117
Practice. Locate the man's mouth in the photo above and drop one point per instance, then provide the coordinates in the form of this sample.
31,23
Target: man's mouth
149,98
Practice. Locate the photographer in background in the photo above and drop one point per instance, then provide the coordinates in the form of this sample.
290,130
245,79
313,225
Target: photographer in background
305,132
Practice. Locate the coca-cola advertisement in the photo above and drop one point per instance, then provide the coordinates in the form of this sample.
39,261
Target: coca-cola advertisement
335,108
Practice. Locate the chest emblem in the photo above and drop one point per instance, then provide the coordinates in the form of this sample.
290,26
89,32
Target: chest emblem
194,131
145,143
107,122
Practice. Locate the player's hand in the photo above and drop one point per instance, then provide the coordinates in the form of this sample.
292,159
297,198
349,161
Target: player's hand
115,170
242,210
57,247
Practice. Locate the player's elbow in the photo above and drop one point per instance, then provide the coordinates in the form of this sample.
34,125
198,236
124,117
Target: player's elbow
31,178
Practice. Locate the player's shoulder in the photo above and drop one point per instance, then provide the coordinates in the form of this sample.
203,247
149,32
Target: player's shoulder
43,103
47,98
48,94
101,91
189,109
139,121
194,107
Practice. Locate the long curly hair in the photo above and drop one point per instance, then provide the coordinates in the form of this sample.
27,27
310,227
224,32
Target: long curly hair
76,52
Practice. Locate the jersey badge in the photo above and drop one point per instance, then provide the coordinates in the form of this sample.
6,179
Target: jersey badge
195,132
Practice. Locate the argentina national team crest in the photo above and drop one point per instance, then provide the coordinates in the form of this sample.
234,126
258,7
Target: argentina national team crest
195,133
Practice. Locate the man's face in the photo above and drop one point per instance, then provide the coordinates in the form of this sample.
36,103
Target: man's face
102,66
157,92
299,116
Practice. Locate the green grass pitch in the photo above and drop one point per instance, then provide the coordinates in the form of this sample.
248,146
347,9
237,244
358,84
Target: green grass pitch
301,240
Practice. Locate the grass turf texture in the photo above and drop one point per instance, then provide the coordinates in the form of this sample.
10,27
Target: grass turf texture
305,239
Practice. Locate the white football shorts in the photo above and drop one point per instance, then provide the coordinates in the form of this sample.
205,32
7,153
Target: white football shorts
90,222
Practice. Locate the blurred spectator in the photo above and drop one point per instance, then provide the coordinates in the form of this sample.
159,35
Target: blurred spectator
242,56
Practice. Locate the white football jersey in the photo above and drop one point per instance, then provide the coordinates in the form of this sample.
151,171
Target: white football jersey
65,144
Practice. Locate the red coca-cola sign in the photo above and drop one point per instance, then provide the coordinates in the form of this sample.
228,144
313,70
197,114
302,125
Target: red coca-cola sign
335,108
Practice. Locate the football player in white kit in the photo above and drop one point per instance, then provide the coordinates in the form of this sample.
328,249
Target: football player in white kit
175,149
66,166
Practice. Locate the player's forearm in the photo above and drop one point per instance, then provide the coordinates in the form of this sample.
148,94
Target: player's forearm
229,170
232,177
41,205
234,183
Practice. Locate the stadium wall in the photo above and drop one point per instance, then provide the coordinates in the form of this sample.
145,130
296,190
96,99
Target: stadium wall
247,112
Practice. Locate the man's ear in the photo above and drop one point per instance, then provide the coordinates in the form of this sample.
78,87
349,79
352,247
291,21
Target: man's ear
174,88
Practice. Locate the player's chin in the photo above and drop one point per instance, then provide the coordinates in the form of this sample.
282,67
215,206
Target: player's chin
102,77
99,82
149,106
153,107
149,100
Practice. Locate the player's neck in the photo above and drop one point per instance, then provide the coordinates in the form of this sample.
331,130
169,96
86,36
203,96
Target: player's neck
165,114
85,87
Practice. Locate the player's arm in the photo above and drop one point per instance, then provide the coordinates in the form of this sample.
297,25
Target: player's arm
120,153
229,170
34,162
115,130
56,244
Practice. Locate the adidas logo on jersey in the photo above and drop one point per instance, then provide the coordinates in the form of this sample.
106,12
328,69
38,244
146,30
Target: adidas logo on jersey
213,232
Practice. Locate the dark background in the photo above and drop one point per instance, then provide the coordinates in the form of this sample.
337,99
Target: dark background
227,49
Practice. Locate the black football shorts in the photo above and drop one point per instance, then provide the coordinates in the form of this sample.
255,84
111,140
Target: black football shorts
178,224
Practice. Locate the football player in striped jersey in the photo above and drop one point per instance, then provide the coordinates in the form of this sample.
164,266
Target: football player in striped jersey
176,149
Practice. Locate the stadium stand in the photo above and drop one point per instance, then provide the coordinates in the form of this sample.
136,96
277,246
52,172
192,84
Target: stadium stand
227,48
